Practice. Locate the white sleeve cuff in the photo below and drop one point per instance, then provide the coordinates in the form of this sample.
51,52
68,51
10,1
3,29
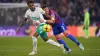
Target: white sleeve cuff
52,18
44,20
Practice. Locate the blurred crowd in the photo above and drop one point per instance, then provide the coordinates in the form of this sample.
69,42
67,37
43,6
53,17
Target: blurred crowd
71,11
17,1
12,16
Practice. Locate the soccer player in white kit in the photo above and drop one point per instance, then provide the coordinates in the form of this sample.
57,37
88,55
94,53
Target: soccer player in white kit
35,14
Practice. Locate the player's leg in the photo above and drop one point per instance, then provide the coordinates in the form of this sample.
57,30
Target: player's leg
86,31
34,40
85,28
98,32
57,32
64,29
73,39
62,42
45,38
50,41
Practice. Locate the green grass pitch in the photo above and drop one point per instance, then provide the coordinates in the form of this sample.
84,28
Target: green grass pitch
21,46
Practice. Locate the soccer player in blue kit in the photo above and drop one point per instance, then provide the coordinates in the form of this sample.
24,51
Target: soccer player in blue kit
59,27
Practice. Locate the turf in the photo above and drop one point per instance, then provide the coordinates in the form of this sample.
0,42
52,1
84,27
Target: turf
21,46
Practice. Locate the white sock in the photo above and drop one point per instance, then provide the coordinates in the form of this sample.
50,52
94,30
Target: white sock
52,42
34,39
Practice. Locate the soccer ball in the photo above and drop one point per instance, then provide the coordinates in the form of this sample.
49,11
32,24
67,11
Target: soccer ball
46,28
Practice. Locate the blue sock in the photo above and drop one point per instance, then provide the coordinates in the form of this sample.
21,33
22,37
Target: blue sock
73,39
62,42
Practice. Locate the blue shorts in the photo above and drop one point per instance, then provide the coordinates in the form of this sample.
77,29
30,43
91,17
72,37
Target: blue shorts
57,29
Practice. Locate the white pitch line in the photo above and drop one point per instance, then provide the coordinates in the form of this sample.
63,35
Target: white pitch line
53,49
78,49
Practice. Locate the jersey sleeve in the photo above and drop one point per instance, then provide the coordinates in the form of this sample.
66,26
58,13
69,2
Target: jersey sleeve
53,13
41,17
42,11
26,14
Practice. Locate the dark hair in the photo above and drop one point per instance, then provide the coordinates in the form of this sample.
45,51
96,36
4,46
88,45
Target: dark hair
44,6
30,2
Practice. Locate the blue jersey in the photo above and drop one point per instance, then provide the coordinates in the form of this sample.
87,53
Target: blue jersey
57,18
59,26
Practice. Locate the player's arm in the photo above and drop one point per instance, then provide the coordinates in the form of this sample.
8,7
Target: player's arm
50,21
48,16
43,20
22,23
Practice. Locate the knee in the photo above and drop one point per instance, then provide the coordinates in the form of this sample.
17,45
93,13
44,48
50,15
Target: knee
46,39
66,33
35,34
86,27
57,38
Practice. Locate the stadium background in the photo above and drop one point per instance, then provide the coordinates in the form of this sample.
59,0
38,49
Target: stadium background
71,11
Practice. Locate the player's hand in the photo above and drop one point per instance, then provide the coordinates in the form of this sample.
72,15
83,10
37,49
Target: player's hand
41,21
18,29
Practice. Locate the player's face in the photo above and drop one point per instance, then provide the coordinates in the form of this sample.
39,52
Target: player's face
84,11
46,10
31,6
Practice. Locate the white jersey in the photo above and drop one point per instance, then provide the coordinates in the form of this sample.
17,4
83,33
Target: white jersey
35,15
